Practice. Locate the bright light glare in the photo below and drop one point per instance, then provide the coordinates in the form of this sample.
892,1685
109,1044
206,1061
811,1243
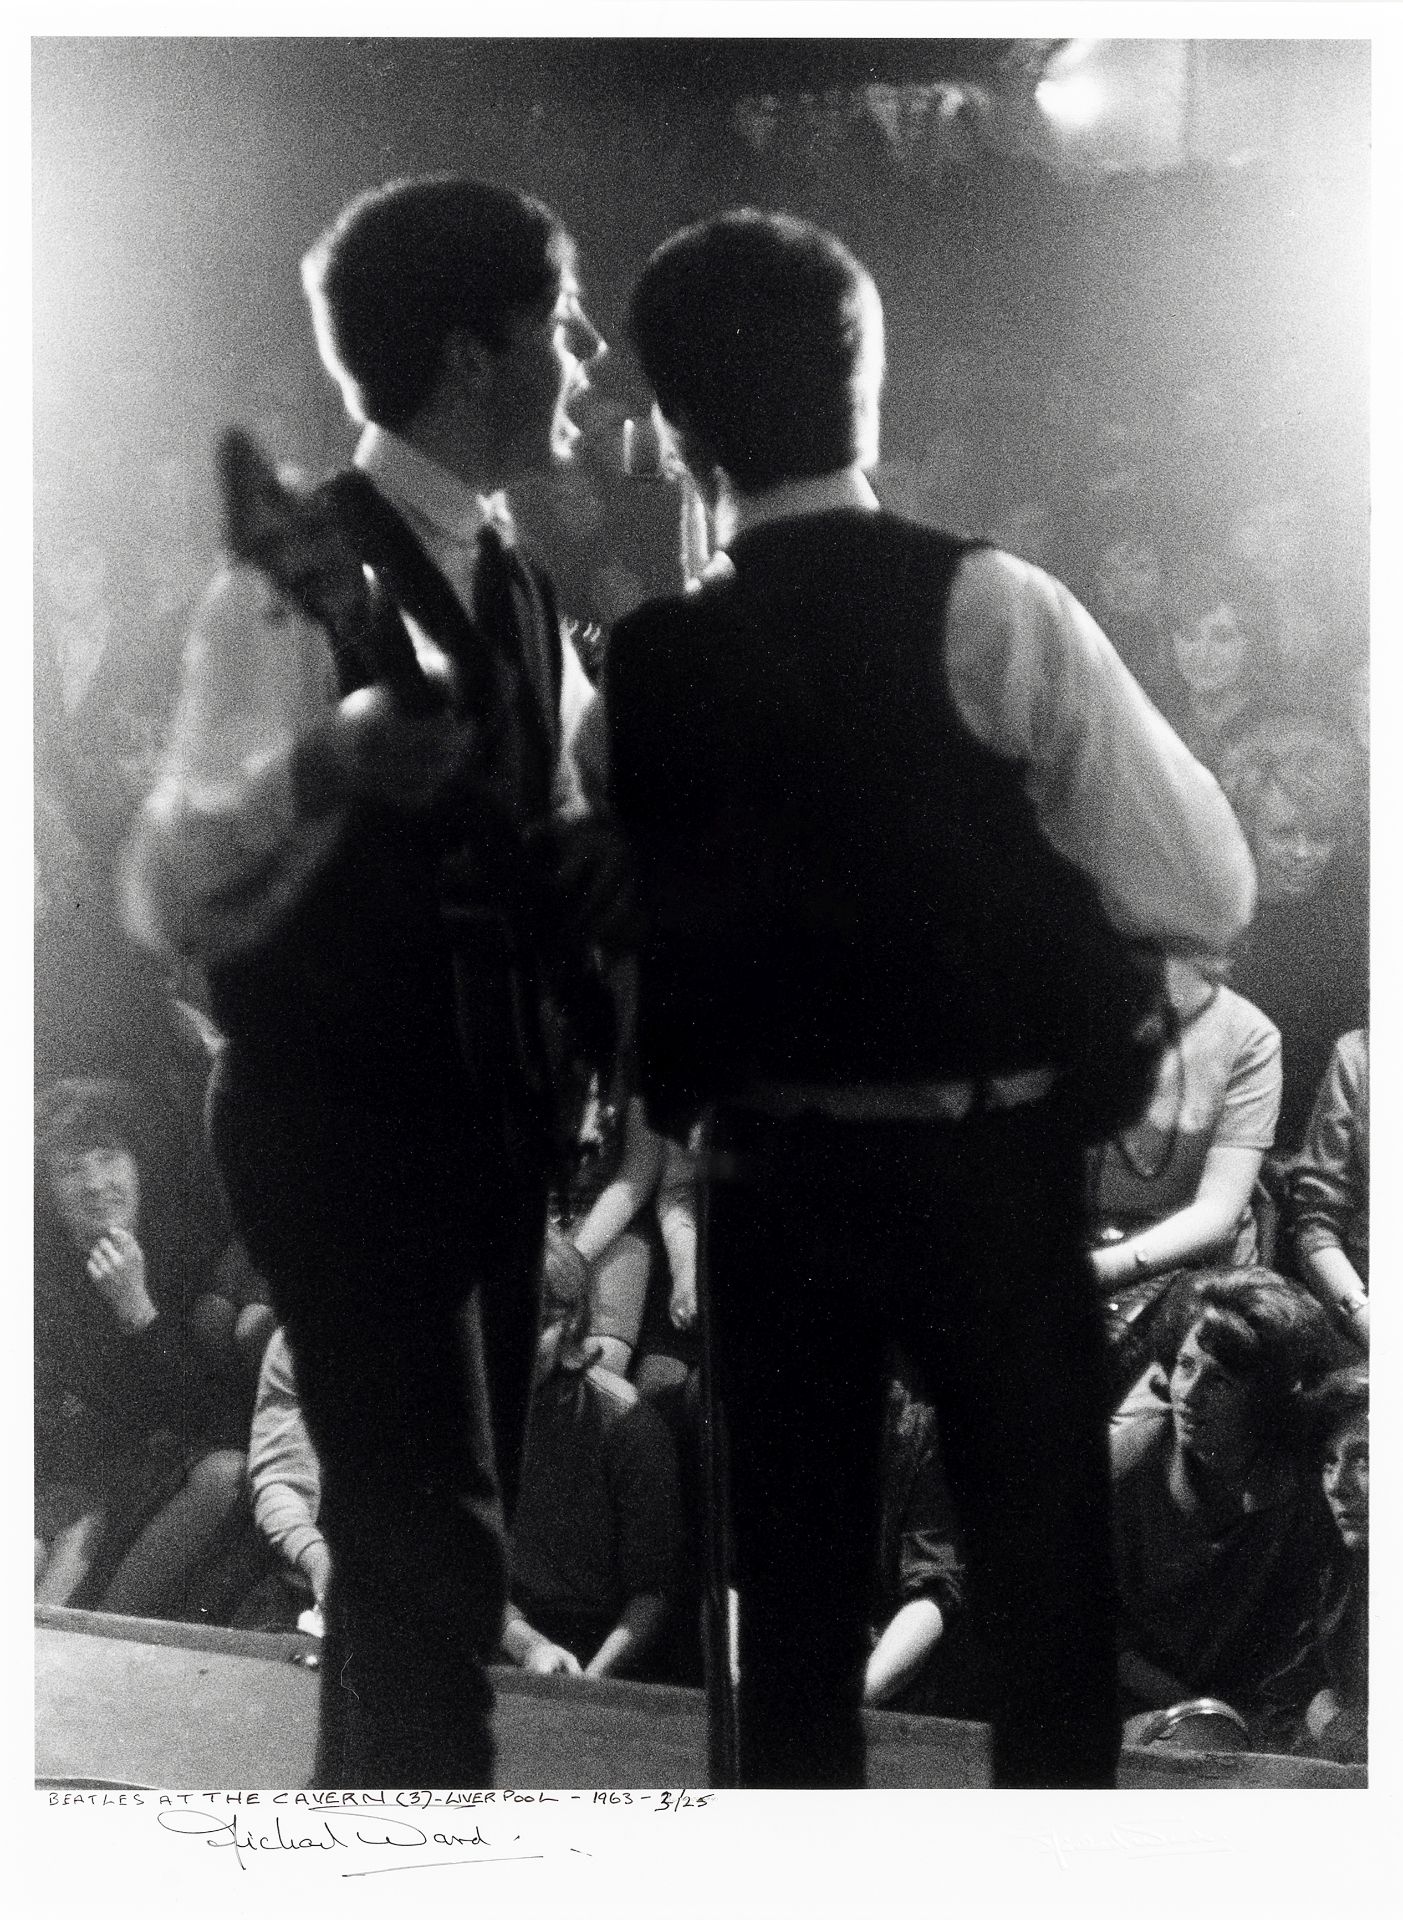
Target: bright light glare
1074,101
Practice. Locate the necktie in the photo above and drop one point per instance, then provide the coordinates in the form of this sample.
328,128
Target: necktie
504,612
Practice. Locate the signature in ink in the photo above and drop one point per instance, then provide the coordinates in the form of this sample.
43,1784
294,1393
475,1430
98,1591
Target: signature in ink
334,1831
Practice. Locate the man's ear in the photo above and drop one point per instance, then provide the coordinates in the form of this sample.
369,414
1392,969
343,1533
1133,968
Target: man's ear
465,360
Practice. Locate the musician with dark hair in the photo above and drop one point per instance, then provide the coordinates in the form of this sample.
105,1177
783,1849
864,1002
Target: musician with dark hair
348,865
891,793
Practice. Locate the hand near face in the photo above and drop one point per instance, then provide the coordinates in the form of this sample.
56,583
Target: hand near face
117,1268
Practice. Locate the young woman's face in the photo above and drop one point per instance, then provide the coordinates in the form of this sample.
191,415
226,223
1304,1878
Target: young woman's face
1212,653
1344,1475
1291,851
96,1190
1213,1410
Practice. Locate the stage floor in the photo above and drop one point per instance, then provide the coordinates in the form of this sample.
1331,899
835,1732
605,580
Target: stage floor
148,1703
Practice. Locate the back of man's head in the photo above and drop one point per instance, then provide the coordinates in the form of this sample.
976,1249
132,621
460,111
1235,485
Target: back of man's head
761,336
409,263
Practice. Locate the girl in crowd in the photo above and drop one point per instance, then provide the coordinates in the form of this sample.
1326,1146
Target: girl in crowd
638,1237
1176,1189
1321,1696
1297,787
1215,669
1221,1535
133,1490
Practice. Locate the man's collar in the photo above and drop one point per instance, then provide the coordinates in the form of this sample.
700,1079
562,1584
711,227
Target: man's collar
740,513
409,479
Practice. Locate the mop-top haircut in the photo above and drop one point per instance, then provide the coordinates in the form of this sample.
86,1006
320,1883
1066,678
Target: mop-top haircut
409,263
761,336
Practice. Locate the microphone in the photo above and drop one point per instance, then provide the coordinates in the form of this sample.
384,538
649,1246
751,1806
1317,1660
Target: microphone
646,453
649,455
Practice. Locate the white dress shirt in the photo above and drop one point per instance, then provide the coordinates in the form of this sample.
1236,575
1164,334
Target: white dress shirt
1034,678
222,848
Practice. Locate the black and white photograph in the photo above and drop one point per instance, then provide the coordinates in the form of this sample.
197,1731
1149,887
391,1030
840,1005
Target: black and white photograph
701,951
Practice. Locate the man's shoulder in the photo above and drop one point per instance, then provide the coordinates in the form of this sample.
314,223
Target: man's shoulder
666,614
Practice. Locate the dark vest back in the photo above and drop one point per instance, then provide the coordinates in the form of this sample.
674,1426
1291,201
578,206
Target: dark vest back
843,883
353,994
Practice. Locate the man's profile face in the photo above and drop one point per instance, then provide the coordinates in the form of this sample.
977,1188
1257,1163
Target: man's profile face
533,382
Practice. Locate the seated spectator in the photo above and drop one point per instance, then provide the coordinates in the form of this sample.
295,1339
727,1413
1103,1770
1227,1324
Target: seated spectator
133,1492
610,1235
922,1658
1297,787
1214,673
638,1233
668,1352
1176,1189
1221,1536
1322,1694
284,1482
596,1540
1328,1187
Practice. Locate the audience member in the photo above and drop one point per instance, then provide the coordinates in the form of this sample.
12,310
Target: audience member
1176,1189
1297,788
1221,1536
1328,1184
596,1541
1320,1699
612,1238
133,1490
284,1481
923,1659
1214,674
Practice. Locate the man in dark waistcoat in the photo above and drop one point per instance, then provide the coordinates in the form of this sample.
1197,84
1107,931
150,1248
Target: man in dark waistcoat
883,785
349,873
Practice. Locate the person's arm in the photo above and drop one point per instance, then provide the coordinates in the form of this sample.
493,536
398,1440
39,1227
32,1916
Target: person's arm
629,1190
637,1627
1325,1182
262,763
1114,788
284,1476
1329,1273
532,1650
906,1643
69,1560
1194,1232
677,1223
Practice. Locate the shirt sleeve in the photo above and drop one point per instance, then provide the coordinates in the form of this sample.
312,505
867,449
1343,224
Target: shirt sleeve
220,846
1252,1100
577,699
1326,1184
589,756
929,1562
1114,788
284,1476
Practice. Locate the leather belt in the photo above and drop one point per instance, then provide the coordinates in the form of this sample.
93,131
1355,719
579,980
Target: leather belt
898,1100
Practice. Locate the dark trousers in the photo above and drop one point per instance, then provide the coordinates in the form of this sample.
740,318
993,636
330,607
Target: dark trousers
388,1239
963,1243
